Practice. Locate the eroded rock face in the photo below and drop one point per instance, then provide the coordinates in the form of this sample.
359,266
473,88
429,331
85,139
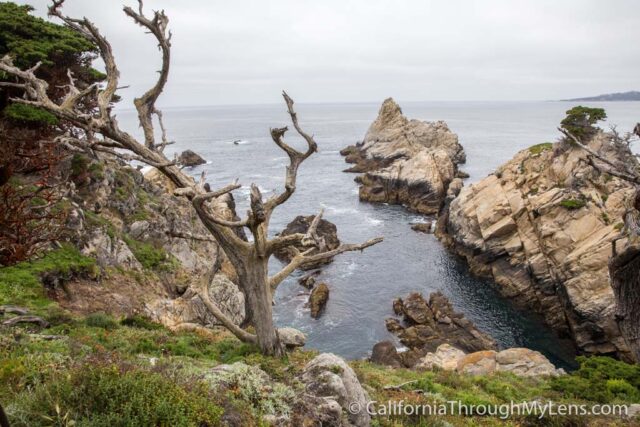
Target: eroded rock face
326,230
427,325
189,308
407,162
542,226
330,377
129,225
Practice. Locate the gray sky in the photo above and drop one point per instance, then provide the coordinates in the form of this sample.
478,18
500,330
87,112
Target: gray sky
246,52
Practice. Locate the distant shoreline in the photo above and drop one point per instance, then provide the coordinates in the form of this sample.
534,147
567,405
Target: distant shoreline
618,97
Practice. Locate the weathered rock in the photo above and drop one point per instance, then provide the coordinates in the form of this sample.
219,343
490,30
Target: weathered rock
446,358
190,158
422,227
329,376
478,363
428,325
519,361
385,353
542,227
408,162
189,308
309,279
318,299
291,337
525,362
326,230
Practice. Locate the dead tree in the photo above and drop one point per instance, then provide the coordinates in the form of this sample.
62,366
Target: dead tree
624,265
102,134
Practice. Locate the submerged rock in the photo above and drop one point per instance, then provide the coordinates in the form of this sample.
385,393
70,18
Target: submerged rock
427,325
422,227
407,162
542,227
326,230
190,158
318,299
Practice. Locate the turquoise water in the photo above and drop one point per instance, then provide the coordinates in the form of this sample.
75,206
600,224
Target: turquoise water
363,285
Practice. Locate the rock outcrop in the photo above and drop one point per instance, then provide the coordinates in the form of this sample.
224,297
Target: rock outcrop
407,162
190,158
427,325
318,299
542,227
138,234
326,230
329,378
519,361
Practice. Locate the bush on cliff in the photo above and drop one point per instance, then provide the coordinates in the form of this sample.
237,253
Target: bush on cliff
580,121
601,379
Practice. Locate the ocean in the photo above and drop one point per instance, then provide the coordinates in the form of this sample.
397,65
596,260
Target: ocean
363,285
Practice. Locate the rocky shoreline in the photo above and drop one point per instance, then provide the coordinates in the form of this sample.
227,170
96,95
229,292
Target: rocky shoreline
542,227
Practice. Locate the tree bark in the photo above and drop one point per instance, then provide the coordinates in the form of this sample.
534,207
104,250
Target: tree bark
254,282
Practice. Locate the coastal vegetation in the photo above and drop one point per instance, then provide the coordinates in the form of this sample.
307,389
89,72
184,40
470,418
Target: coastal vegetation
112,283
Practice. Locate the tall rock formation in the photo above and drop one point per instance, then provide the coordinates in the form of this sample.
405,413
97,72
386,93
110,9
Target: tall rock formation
407,162
542,227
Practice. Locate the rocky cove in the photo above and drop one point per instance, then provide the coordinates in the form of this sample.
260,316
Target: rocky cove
541,226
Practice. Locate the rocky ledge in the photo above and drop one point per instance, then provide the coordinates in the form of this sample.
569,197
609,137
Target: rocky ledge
406,162
519,361
427,325
542,227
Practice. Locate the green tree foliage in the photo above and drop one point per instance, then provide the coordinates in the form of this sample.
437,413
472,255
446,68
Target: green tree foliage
29,39
580,121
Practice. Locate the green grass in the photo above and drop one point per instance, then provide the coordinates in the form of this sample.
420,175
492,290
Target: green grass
539,148
573,204
21,284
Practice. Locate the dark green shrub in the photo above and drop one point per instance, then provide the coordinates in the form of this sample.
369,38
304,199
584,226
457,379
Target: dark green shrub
601,379
101,320
114,395
140,322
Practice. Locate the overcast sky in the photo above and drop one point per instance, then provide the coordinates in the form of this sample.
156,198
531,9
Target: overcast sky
246,52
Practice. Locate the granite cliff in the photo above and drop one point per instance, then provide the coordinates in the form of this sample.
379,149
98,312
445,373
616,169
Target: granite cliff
542,227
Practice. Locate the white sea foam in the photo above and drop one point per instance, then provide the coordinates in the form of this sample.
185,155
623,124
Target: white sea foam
373,221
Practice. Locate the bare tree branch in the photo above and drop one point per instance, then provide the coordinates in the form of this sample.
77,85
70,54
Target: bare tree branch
305,257
611,168
236,330
146,103
295,157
